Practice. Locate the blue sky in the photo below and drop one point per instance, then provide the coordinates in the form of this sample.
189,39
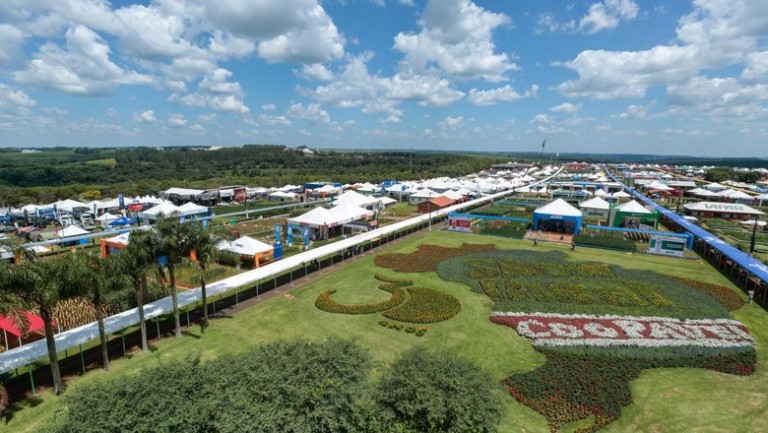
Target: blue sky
609,76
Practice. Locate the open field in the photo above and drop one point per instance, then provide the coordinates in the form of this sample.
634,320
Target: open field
665,400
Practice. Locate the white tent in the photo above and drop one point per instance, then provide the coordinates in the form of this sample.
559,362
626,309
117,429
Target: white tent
453,195
620,194
714,187
68,205
166,209
595,203
245,246
282,196
345,213
105,219
316,217
71,230
600,193
633,207
189,209
356,199
558,207
386,201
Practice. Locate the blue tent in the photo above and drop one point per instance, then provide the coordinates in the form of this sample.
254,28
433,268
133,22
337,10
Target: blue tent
557,216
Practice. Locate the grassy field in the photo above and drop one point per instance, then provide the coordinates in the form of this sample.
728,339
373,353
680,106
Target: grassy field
666,400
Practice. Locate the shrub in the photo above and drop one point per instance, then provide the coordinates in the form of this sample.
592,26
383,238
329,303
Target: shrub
325,303
437,392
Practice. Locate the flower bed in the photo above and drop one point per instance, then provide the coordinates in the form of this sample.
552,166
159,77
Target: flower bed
425,306
600,326
426,257
724,295
325,303
545,282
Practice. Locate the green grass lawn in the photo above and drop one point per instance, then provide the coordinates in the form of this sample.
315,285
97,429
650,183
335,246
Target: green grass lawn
665,400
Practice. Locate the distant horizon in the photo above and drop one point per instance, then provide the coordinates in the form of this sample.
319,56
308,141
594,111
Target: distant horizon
500,154
593,76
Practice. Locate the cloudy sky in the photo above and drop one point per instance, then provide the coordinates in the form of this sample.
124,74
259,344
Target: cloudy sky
619,76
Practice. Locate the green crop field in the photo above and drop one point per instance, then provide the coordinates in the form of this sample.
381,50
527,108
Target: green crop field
664,399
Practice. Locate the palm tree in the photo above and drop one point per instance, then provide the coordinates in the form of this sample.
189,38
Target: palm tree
11,305
173,244
97,276
135,261
204,244
40,282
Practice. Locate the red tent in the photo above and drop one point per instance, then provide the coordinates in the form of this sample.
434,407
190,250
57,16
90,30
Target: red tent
8,323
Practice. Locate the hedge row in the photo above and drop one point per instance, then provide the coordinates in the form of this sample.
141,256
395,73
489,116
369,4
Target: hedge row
604,242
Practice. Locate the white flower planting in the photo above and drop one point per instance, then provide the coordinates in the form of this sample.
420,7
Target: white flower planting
548,329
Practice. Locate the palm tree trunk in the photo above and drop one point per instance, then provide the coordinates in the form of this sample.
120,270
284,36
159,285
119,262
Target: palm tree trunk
174,300
3,400
141,290
204,295
102,332
58,384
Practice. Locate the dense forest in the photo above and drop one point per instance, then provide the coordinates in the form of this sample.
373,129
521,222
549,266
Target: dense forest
58,173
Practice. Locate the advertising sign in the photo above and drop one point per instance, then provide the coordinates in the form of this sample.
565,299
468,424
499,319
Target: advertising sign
667,245
459,223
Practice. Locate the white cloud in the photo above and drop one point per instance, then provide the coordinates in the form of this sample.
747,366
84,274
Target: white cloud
715,35
453,122
542,118
14,101
268,107
11,40
287,30
353,86
315,72
500,94
147,116
607,15
720,97
84,68
548,23
177,120
456,35
311,112
228,103
269,120
197,128
636,112
757,67
215,91
566,107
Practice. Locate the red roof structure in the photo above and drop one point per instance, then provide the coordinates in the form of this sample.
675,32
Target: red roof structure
8,323
434,204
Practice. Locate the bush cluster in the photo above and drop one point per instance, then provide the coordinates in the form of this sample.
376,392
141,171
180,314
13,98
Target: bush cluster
290,387
426,257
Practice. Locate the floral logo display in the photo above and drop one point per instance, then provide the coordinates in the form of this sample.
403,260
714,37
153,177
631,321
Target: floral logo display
600,326
605,331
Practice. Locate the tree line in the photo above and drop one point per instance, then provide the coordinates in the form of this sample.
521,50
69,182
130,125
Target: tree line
38,284
60,174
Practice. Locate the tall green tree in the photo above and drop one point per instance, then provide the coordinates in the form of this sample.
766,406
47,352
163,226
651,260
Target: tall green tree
44,283
12,306
203,242
135,261
97,276
173,243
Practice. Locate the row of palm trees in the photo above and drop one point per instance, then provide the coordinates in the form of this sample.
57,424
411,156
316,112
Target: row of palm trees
42,283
